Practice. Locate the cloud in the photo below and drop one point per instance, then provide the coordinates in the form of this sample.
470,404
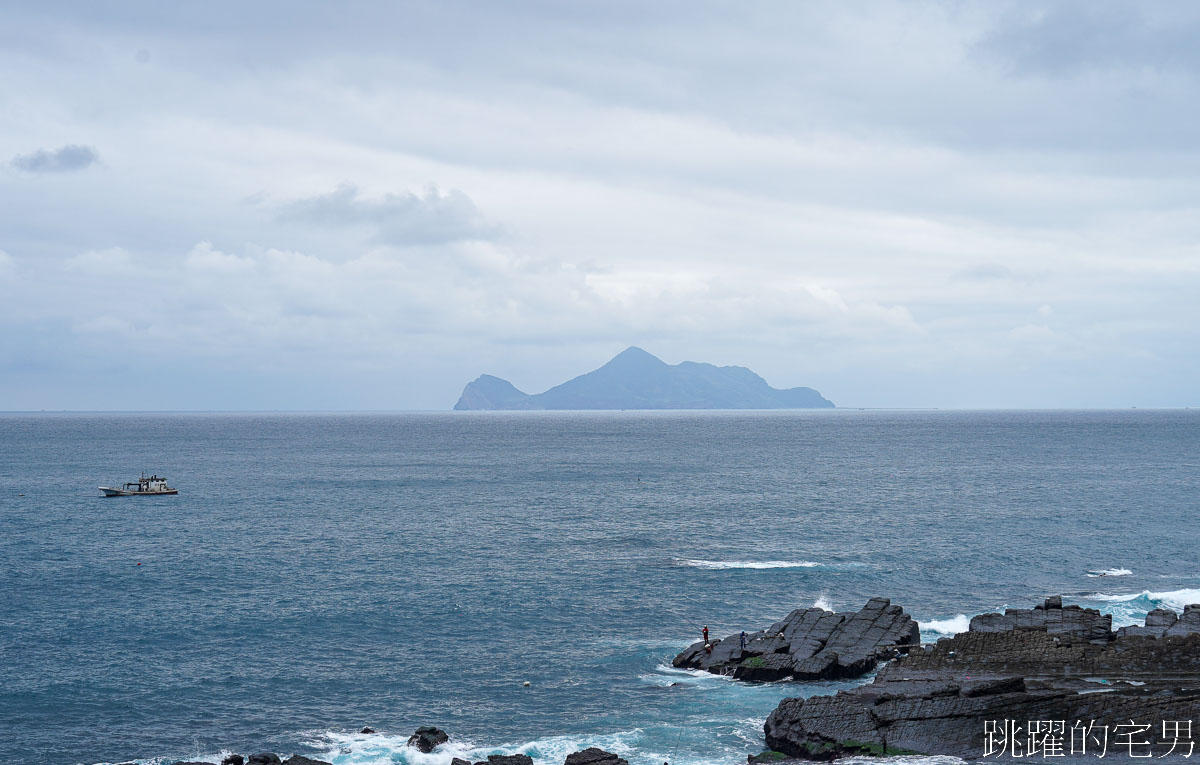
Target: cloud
993,272
867,197
63,160
404,219
1070,37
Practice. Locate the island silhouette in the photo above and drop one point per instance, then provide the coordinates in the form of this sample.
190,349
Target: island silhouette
636,379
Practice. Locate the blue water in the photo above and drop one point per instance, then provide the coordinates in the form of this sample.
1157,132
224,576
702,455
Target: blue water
319,573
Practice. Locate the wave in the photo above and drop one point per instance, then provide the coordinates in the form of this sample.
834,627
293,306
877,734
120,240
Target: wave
822,602
951,626
693,744
1094,573
727,564
368,749
1131,608
1175,599
669,675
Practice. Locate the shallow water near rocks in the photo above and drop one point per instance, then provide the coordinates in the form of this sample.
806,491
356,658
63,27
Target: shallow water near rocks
319,573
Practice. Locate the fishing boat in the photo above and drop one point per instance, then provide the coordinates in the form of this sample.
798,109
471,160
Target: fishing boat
142,487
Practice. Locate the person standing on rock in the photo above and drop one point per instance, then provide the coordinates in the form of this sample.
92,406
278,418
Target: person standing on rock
743,639
704,632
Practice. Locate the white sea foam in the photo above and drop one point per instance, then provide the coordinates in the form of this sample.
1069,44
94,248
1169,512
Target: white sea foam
822,602
1175,599
1109,572
1131,608
951,626
677,744
695,676
383,749
727,564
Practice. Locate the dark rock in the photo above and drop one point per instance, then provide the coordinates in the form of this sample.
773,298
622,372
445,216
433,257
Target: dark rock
595,756
427,737
263,758
810,644
367,730
1188,623
459,761
1161,617
296,759
507,759
189,762
233,759
1021,665
1087,623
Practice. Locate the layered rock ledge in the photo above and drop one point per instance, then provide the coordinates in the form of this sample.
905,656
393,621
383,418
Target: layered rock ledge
1046,664
810,644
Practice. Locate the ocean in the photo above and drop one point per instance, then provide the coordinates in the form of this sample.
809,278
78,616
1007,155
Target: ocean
323,572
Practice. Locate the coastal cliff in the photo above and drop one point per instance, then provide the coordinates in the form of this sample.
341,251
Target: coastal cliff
635,379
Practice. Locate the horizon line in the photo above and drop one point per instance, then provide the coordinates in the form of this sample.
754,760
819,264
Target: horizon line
597,411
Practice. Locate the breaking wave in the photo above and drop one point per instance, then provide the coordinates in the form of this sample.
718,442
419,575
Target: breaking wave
951,626
679,745
1094,573
726,564
1131,608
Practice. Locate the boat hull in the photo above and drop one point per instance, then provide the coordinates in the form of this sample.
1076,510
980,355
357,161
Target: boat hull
110,492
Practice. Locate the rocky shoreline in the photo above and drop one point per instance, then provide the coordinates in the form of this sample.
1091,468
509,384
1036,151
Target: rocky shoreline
1052,680
1026,682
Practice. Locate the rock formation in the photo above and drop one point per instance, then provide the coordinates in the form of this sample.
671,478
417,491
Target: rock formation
810,644
594,756
427,738
1053,665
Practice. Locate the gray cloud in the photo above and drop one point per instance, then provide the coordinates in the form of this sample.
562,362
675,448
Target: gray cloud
399,219
992,272
63,160
962,198
1073,36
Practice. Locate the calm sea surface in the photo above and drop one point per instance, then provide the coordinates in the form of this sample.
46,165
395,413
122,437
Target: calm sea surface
319,573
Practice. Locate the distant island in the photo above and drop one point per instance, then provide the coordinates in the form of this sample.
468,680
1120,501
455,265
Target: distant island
635,379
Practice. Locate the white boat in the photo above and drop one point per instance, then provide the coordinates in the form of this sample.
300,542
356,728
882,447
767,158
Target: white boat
142,487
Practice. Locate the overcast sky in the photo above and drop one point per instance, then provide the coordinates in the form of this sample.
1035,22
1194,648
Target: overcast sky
366,205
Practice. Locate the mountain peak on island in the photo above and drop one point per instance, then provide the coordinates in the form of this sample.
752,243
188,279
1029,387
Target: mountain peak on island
635,355
637,379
